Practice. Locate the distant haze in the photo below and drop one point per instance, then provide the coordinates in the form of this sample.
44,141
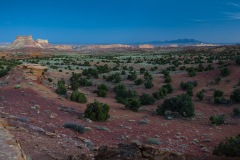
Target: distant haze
121,21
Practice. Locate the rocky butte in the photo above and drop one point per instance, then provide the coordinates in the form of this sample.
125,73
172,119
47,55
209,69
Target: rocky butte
28,42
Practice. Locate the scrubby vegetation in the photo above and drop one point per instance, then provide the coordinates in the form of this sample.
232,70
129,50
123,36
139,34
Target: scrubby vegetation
182,104
217,120
229,148
61,88
78,97
102,90
75,127
97,111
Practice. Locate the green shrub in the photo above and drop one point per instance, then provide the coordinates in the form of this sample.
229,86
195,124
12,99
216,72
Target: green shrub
147,76
97,111
82,98
167,79
182,104
147,99
132,76
217,120
191,71
218,93
102,90
217,79
75,85
200,95
236,112
142,70
139,81
102,87
133,104
188,86
115,78
75,127
168,87
90,72
238,61
85,82
148,84
61,88
165,73
225,72
230,148
122,93
78,97
235,96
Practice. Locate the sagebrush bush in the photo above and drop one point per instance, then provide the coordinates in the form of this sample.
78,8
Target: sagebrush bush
182,104
133,104
225,72
217,120
236,112
97,111
102,90
148,84
235,96
75,127
61,88
122,93
147,99
229,148
78,97
200,95
218,93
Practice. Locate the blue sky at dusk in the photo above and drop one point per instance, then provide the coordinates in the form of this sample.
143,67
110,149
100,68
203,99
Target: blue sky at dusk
120,21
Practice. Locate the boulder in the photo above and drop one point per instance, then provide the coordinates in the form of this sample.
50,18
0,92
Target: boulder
10,148
33,72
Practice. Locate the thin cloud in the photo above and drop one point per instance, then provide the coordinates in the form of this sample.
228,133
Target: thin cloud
232,16
234,4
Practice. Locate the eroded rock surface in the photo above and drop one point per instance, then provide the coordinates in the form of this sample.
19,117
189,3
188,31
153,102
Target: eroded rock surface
33,71
10,149
135,152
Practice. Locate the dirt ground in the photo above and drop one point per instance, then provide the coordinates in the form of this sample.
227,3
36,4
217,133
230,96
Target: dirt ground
36,115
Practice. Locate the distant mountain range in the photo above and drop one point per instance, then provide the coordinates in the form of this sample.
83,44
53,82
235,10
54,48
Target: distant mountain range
178,41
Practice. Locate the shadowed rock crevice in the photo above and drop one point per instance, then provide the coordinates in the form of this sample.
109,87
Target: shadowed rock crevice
135,152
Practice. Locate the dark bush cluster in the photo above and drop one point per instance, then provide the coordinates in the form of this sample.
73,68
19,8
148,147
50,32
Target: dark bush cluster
102,90
148,84
75,127
229,148
90,72
182,104
191,71
225,71
188,86
217,120
123,94
132,76
103,69
200,95
163,91
97,111
139,81
127,97
235,96
78,97
61,88
147,99
115,78
167,78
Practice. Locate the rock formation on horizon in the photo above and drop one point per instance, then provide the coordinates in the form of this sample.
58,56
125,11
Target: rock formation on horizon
22,42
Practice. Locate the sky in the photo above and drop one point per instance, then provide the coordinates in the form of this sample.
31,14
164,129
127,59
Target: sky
120,21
